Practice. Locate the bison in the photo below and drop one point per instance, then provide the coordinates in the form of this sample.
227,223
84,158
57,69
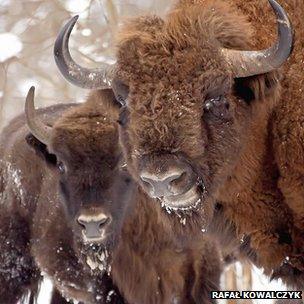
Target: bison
207,123
72,211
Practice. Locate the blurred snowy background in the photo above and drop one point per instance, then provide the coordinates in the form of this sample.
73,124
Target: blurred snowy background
28,29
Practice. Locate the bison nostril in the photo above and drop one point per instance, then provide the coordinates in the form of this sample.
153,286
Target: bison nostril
177,179
81,223
103,222
147,181
147,185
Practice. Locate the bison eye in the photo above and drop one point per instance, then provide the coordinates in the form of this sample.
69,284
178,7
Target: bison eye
213,102
217,106
61,167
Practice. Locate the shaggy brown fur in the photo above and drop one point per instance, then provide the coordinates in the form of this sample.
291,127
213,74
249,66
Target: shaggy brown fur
149,262
148,266
247,150
18,273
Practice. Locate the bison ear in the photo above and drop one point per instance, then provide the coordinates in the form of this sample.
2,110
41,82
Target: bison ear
41,149
257,87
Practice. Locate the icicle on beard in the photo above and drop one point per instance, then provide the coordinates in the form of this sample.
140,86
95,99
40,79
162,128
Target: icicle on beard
97,256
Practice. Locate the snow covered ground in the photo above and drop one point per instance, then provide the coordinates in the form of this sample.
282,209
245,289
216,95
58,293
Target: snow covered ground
46,292
260,282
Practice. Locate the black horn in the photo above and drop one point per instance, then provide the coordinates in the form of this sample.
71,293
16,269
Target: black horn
249,63
100,78
36,126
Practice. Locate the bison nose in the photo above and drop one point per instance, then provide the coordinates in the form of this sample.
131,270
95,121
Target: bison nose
93,226
164,184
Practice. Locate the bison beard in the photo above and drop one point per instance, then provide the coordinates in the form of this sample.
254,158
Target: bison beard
97,257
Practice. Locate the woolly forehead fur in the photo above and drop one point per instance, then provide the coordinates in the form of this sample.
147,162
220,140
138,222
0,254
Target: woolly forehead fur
171,65
183,46
88,132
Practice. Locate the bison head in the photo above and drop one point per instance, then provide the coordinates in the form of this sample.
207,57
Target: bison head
94,188
188,95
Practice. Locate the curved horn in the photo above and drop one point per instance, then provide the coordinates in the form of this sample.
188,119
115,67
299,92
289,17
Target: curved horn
82,77
249,63
36,126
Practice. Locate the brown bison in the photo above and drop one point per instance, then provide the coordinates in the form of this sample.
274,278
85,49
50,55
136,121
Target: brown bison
73,212
208,124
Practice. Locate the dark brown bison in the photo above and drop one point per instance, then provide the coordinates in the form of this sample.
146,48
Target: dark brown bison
20,182
207,122
74,213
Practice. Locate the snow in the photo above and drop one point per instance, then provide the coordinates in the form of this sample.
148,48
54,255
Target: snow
110,294
26,84
13,46
77,6
86,32
45,292
4,2
260,282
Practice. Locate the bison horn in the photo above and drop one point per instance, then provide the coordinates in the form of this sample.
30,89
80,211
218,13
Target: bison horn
36,126
82,77
250,63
